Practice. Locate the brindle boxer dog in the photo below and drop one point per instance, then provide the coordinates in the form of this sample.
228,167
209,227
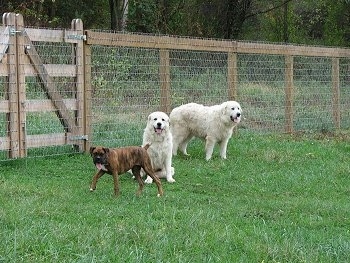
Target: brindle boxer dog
119,160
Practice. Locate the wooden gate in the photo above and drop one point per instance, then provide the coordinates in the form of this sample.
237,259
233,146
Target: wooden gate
18,59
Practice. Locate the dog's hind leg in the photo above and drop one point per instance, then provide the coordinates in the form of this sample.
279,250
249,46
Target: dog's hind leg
95,179
116,183
179,138
175,147
183,144
149,170
209,147
136,172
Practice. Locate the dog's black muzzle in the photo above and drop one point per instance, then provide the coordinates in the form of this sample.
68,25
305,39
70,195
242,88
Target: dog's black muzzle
99,159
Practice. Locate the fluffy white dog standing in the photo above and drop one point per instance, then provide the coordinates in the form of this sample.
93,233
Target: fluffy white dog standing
213,123
157,134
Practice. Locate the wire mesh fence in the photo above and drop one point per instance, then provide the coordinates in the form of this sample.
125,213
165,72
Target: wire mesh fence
43,122
124,82
202,77
124,88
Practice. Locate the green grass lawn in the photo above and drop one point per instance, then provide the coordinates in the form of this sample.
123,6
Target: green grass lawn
277,198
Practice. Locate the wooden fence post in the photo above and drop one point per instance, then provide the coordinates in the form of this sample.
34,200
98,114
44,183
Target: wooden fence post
87,96
78,60
336,92
289,93
232,76
21,86
9,19
164,72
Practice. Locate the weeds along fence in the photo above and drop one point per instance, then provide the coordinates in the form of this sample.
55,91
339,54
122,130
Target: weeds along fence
62,90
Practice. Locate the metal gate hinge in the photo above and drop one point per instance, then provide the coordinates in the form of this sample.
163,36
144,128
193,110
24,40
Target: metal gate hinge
77,37
14,31
79,137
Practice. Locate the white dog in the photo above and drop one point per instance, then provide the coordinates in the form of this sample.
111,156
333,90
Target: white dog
157,134
214,124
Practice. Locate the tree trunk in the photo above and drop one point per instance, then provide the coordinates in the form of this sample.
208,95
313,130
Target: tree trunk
113,14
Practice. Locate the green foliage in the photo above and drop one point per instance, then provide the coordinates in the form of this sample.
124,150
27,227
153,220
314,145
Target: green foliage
123,75
276,199
322,22
336,29
143,16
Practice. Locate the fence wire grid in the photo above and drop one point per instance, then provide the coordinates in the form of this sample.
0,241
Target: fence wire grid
125,88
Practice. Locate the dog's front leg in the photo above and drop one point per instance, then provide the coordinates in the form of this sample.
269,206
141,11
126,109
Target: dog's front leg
223,148
168,170
95,179
116,183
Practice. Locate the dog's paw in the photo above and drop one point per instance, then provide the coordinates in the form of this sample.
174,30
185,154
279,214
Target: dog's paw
148,180
170,180
91,190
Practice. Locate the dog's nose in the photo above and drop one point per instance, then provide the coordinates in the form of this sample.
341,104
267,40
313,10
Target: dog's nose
238,114
159,124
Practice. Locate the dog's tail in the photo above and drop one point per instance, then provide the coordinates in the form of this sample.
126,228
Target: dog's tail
146,146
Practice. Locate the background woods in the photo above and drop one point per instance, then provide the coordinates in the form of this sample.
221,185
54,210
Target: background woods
321,22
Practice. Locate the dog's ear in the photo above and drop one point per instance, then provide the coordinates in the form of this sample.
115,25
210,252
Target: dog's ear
225,108
92,149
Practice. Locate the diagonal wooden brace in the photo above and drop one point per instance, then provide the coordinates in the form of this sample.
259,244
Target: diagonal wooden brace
49,87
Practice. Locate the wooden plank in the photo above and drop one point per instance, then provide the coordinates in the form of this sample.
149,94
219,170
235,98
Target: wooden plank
336,92
4,41
232,75
5,144
44,140
4,70
289,83
164,76
157,42
52,35
47,105
4,106
54,70
276,49
45,35
210,45
50,89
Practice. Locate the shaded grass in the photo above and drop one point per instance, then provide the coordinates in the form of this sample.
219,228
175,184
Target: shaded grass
275,199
